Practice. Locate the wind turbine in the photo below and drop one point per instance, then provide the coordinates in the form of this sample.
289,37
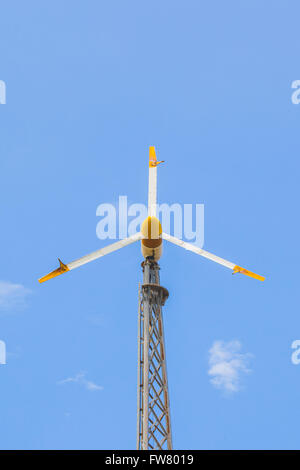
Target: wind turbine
153,410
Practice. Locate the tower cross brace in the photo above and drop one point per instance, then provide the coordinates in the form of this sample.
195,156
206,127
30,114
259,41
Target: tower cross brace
153,409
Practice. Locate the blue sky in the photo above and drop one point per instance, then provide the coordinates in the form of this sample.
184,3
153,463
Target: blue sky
90,85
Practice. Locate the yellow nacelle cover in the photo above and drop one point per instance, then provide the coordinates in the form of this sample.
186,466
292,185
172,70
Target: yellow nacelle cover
151,230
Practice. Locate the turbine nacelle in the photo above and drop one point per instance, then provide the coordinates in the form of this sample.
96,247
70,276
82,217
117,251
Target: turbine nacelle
151,242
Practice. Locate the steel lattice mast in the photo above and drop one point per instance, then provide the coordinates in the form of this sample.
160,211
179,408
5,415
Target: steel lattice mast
153,409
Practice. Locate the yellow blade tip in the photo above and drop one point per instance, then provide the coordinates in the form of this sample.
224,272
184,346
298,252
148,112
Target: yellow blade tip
62,269
239,269
152,157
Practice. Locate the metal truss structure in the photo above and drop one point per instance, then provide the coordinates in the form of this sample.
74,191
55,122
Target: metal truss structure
153,409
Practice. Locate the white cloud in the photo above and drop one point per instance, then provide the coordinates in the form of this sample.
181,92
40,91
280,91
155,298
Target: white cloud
81,380
227,365
12,295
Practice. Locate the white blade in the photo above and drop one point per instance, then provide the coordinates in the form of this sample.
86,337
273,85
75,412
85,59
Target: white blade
152,185
206,254
91,257
152,192
104,251
198,251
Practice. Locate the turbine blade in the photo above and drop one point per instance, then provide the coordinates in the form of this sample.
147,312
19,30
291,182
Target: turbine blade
152,185
91,257
212,257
